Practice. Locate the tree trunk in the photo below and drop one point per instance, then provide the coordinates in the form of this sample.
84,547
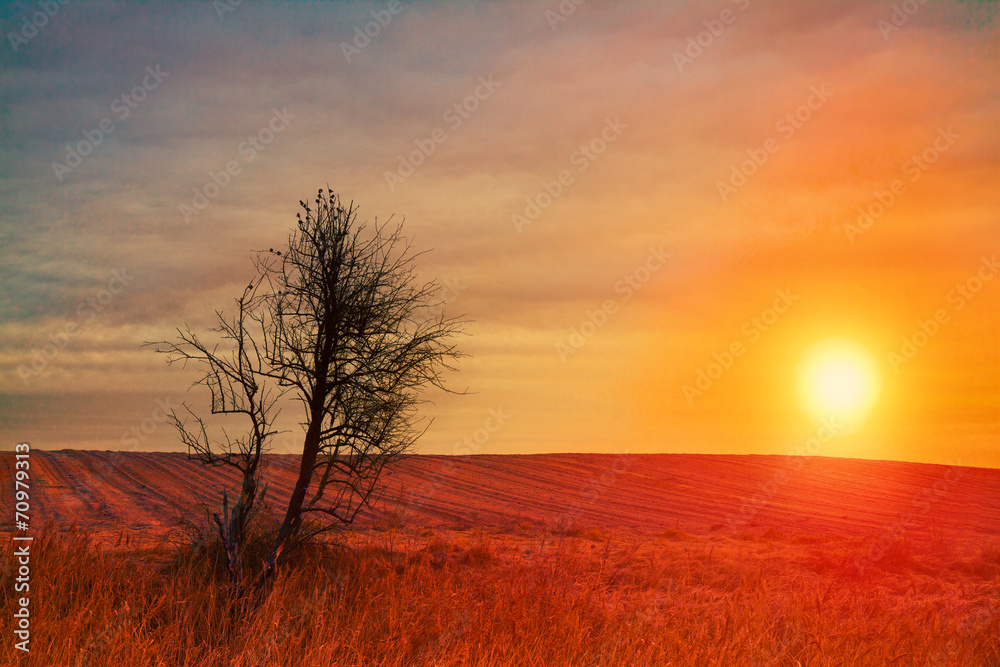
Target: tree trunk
293,516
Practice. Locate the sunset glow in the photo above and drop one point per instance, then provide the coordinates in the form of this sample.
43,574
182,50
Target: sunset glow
646,210
838,380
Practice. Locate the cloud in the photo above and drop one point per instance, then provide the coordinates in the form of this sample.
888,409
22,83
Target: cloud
657,184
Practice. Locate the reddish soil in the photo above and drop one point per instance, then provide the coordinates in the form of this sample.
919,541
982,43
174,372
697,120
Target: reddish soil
145,493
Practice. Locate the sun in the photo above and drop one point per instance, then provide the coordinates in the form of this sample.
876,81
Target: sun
838,380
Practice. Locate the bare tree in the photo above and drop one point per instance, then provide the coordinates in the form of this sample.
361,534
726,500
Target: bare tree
343,337
239,386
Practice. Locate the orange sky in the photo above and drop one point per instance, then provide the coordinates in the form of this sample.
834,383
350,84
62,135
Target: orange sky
656,248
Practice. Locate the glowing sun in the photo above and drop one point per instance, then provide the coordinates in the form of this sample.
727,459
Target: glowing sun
838,380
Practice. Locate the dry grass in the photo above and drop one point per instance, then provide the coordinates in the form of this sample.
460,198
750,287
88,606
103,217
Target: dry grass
471,598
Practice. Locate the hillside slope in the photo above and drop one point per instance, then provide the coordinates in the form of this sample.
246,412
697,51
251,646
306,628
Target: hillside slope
146,493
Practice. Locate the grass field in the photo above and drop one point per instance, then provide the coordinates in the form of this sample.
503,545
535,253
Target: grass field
520,597
582,560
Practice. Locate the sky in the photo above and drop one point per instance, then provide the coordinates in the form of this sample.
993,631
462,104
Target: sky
649,212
